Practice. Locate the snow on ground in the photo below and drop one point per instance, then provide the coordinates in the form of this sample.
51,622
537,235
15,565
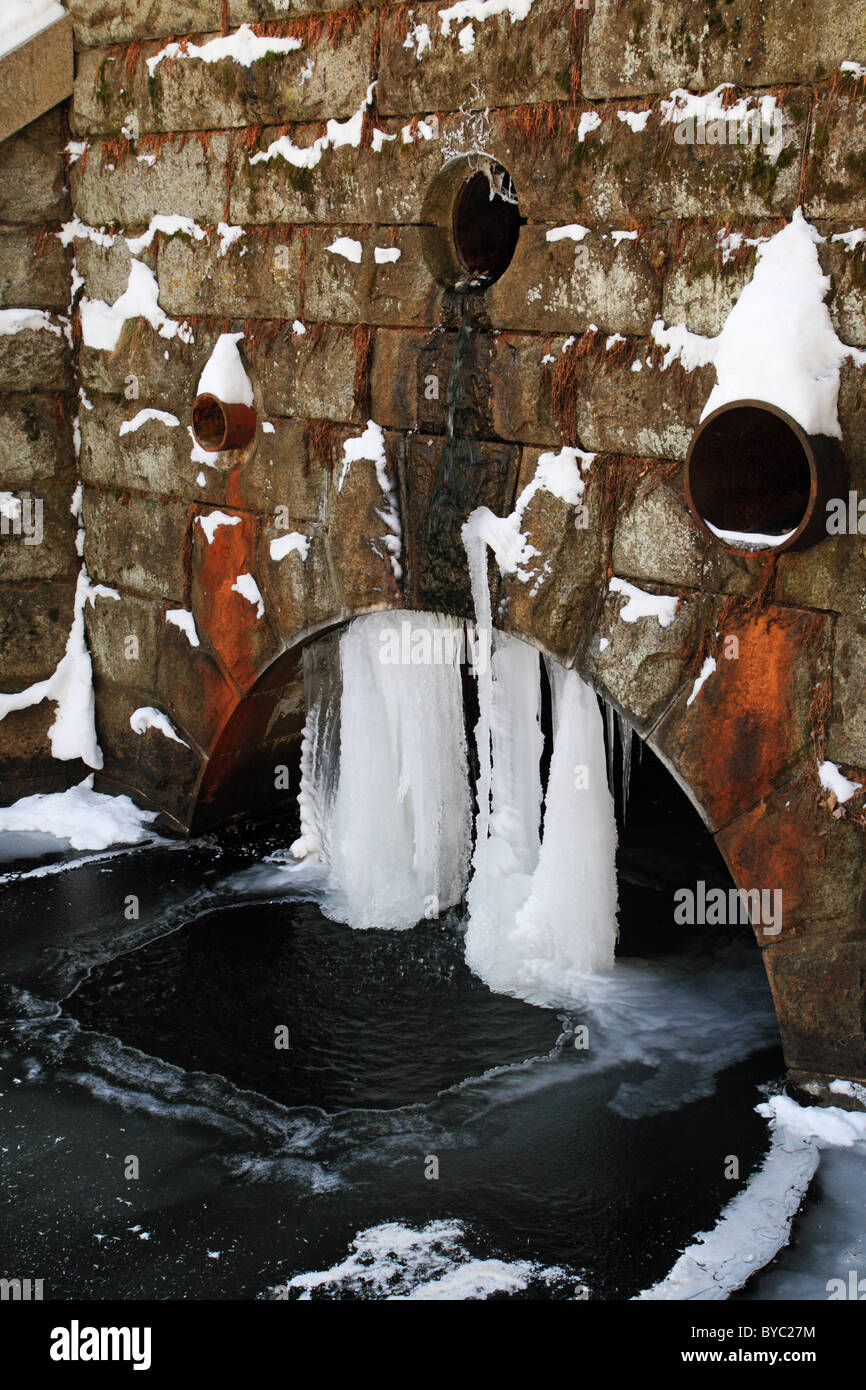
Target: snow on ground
79,816
23,19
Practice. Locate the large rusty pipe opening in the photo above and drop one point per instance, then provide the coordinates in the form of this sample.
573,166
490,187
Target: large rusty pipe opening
218,425
486,223
755,480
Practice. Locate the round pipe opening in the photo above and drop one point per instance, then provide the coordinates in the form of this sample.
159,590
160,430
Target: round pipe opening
753,477
218,426
486,223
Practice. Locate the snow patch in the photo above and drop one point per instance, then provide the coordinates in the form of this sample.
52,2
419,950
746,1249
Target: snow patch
131,426
706,671
224,375
83,818
348,247
244,47
24,19
832,780
643,605
371,446
146,717
247,587
213,520
295,543
574,231
182,618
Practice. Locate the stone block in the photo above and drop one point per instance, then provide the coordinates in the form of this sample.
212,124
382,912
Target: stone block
819,989
357,534
136,542
257,277
372,290
37,440
620,173
556,604
34,270
35,360
123,636
155,457
492,62
232,625
847,298
648,412
565,285
324,78
836,161
42,545
307,375
302,591
641,665
442,483
751,721
656,46
184,176
34,628
792,843
32,178
35,76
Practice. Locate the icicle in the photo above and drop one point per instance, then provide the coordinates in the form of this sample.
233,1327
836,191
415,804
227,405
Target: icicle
398,832
609,713
625,743
542,913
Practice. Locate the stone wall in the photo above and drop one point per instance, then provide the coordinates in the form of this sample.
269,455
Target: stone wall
571,101
37,462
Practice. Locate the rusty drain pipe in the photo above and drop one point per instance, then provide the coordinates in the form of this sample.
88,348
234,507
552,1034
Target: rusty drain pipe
752,469
220,425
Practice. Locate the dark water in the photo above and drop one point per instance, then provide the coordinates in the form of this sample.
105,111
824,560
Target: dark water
373,1019
410,1095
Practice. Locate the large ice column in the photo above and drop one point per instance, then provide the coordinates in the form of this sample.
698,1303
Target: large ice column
542,909
396,831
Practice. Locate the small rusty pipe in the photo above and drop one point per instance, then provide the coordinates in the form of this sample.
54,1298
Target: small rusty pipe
219,425
752,468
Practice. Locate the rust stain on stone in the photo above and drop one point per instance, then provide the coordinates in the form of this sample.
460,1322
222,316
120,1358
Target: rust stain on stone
750,720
